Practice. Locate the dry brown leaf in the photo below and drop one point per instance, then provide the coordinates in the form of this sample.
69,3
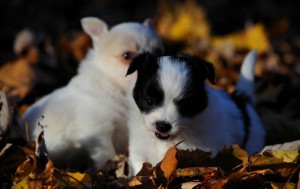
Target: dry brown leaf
135,182
229,159
142,182
147,170
23,170
215,184
169,164
195,158
193,174
196,171
47,175
189,185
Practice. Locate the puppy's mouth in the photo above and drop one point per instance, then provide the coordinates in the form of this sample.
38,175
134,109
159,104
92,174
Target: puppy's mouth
162,136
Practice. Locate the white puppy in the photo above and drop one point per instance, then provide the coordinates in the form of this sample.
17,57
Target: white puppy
87,118
171,104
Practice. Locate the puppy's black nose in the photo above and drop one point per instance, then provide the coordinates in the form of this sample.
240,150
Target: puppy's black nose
163,126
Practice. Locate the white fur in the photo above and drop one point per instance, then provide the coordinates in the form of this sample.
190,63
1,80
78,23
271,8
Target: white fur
245,83
219,125
88,116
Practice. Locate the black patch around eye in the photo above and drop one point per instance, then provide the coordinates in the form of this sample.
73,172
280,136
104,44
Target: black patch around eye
147,93
194,101
150,98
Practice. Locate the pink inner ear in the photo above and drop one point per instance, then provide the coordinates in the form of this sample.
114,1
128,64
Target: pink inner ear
94,27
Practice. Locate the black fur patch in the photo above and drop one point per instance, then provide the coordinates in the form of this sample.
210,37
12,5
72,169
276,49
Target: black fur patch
241,102
147,92
195,98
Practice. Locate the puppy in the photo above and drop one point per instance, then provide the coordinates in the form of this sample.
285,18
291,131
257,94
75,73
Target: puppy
172,103
85,121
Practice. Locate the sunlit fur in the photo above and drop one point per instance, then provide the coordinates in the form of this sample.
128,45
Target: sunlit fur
219,124
86,120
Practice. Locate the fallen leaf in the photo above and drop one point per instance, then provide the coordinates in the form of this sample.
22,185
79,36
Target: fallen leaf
135,182
77,179
253,37
283,185
189,185
294,145
23,170
177,23
230,158
169,163
147,170
194,158
287,156
197,171
22,184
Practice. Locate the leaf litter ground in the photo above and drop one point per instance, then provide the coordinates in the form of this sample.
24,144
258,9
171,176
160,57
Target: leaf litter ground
28,166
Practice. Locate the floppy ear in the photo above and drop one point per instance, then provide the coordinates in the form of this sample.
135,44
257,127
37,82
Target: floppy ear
133,66
141,60
94,27
206,69
149,22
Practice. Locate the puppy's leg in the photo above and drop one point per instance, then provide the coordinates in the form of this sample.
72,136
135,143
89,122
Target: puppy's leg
135,161
257,134
101,149
95,139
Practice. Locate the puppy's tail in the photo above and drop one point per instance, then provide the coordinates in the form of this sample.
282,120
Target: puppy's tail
245,83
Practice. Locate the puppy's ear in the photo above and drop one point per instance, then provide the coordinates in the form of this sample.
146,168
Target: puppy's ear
205,68
149,22
140,61
136,62
210,71
94,27
133,66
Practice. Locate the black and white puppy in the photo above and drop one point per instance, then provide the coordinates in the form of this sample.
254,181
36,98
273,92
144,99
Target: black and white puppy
172,103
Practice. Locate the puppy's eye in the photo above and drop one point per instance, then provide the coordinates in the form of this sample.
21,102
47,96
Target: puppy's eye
128,55
150,102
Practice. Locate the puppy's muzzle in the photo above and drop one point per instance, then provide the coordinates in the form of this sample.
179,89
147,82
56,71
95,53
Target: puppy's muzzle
162,128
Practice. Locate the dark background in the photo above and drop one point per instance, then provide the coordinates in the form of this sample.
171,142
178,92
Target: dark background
55,17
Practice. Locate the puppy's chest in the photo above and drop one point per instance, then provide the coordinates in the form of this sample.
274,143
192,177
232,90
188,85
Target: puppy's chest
158,149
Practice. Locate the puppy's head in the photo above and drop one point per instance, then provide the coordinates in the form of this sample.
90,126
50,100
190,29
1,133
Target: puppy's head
116,47
170,92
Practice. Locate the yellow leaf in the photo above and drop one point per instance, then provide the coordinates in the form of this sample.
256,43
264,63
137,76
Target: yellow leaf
283,185
240,153
253,37
23,184
256,38
287,156
31,183
83,178
260,160
196,171
134,182
182,22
